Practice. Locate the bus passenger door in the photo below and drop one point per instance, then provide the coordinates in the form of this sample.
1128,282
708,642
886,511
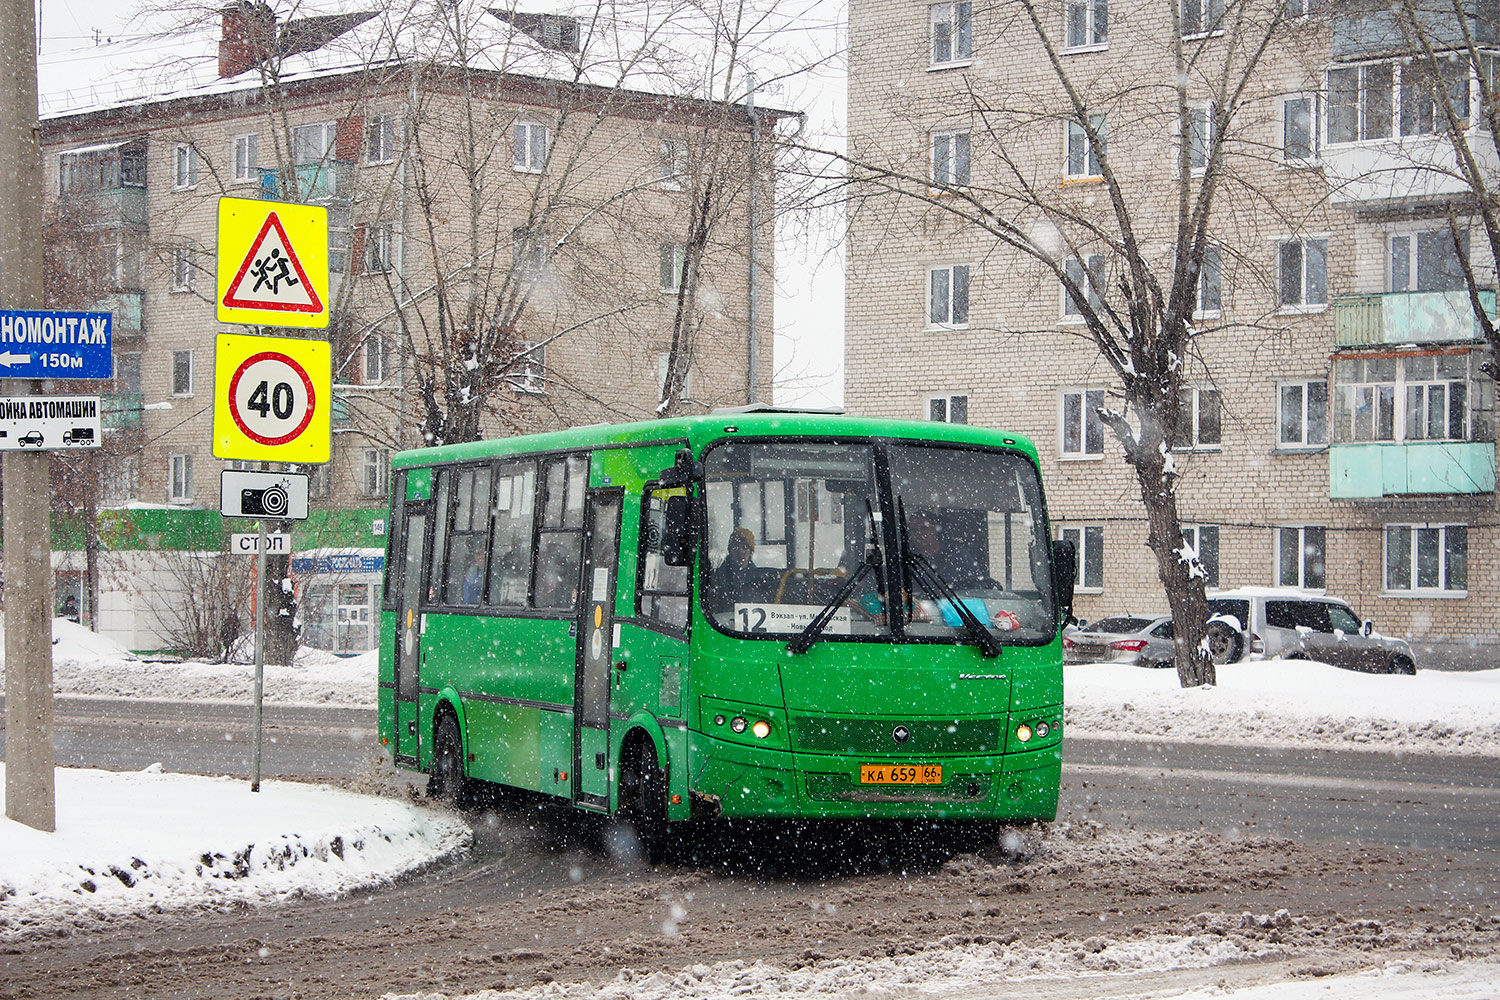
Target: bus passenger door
596,647
409,631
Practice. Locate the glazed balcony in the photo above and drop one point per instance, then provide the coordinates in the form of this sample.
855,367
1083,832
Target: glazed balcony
1408,318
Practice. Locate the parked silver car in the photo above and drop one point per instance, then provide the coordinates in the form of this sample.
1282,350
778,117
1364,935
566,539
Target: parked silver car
1143,640
1299,625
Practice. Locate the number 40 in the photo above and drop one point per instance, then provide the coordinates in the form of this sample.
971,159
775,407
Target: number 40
280,400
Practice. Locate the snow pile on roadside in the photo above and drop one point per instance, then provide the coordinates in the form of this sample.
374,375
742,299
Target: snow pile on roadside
147,842
1291,702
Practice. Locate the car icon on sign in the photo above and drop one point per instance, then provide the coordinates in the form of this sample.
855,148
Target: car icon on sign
30,438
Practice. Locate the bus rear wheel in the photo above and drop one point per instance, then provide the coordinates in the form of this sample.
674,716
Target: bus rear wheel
447,782
643,801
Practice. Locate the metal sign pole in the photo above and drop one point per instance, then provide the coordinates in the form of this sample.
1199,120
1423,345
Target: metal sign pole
260,652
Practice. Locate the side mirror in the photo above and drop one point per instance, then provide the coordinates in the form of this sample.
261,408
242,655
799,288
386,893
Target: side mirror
1064,575
1367,629
676,533
683,471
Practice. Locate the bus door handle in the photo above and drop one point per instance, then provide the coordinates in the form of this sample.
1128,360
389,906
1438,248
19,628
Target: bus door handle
619,672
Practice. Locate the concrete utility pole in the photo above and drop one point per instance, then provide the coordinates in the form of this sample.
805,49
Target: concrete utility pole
30,793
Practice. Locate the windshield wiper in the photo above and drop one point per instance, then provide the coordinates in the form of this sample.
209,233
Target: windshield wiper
917,565
809,635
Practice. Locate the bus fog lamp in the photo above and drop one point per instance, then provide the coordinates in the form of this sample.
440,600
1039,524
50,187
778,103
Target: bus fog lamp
1023,732
1042,729
738,724
718,720
761,729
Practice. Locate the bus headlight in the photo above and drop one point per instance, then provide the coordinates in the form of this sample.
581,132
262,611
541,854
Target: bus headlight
1023,732
737,724
761,729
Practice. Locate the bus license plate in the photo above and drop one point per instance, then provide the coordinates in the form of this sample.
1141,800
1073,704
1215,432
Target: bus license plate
901,774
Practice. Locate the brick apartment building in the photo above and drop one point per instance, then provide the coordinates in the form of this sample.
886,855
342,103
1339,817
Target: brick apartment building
1341,433
465,155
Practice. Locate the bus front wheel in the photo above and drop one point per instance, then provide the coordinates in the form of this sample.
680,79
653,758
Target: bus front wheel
643,800
447,782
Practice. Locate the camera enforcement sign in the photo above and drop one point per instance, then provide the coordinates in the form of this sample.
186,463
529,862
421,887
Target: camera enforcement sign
277,495
272,263
272,397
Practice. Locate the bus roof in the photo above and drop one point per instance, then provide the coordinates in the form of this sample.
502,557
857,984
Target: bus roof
698,431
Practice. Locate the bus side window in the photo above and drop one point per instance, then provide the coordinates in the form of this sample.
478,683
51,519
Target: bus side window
471,522
663,593
510,543
559,546
439,534
391,596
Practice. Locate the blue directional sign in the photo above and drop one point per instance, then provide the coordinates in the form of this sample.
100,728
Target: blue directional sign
37,344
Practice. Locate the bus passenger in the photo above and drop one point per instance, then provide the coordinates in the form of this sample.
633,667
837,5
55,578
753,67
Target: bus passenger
737,575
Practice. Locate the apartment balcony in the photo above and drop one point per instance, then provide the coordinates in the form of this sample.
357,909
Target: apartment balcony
1408,318
126,308
1389,469
121,411
1413,168
325,181
1365,29
110,207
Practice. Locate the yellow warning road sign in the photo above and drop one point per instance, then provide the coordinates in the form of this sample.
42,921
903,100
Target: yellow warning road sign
273,398
273,263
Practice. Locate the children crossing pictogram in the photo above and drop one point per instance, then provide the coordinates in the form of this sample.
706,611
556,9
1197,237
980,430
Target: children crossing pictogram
279,282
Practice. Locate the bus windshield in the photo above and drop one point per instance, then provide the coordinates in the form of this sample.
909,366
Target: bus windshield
792,524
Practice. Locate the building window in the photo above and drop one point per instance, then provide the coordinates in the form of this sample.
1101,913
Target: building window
528,251
663,360
1302,414
312,143
379,244
377,360
1088,542
182,478
1088,23
184,270
528,372
1360,100
1200,134
672,164
182,373
1199,419
950,159
530,151
948,296
1427,261
1203,540
1427,559
1302,8
245,157
339,230
1422,397
1082,156
1210,298
128,372
952,32
319,480
1299,128
1300,556
1200,17
671,260
380,138
1088,274
184,165
1302,274
948,408
1422,95
374,471
120,481
1082,430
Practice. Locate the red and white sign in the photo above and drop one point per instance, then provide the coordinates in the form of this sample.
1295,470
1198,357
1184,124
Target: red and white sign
271,275
271,398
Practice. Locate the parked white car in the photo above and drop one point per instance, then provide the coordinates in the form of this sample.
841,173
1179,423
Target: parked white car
1299,624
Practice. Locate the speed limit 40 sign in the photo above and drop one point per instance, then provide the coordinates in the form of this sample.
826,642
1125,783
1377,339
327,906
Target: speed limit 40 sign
272,398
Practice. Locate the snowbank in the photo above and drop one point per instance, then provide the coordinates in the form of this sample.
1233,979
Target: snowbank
147,842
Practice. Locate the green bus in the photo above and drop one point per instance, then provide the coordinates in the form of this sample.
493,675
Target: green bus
752,613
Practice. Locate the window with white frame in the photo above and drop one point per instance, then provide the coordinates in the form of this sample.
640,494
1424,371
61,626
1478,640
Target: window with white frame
529,153
948,408
184,269
319,479
672,164
1200,17
380,138
948,296
1361,102
1081,158
1302,274
952,32
1210,296
377,359
1203,539
380,240
1301,556
1302,414
1298,125
1424,93
374,471
340,228
670,266
1303,8
1082,430
1426,559
528,372
313,142
1200,134
1200,419
184,165
1087,23
245,159
182,373
528,252
128,372
1427,260
120,480
1418,397
950,159
181,474
1088,542
663,360
1089,274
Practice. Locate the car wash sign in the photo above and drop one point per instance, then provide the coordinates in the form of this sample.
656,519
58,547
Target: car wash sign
42,344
